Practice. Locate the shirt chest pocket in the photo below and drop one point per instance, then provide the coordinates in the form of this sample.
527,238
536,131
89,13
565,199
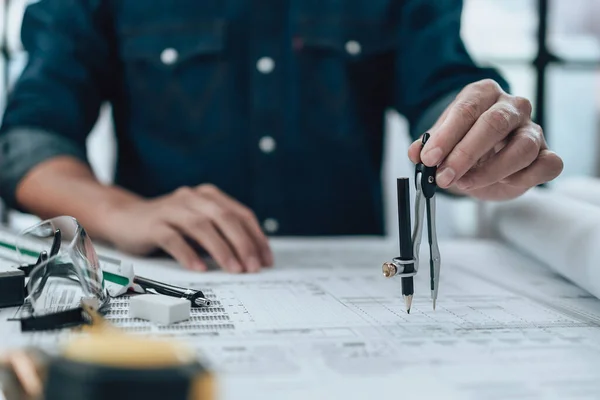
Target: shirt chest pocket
175,81
348,66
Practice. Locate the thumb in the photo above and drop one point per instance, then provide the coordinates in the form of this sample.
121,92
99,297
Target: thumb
414,151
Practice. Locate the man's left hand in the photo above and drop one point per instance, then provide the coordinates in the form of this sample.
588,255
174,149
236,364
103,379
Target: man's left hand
487,146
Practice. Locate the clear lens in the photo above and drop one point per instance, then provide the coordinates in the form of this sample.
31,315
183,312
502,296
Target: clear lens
70,270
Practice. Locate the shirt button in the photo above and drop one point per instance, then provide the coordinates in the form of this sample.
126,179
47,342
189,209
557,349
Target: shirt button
169,56
353,47
265,65
271,225
267,144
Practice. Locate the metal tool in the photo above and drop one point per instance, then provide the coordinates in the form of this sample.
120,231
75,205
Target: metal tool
195,296
425,201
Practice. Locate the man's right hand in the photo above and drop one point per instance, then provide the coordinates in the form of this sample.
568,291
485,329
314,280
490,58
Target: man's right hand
225,228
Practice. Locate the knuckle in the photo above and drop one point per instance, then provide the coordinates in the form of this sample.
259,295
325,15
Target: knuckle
523,105
489,85
207,189
469,110
184,193
528,147
465,156
500,119
537,130
486,86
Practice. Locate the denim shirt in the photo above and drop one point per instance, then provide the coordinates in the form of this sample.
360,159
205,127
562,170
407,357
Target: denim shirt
280,104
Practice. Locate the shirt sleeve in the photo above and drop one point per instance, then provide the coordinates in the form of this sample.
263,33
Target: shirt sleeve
432,63
56,100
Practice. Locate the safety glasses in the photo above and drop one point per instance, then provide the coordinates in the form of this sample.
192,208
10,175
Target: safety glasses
64,271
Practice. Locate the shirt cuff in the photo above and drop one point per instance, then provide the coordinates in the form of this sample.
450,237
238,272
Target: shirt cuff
21,149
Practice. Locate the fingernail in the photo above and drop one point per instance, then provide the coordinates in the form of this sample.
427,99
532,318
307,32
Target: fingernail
234,266
432,157
253,264
464,183
445,176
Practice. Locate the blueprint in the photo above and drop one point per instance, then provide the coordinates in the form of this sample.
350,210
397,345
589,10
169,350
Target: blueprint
325,323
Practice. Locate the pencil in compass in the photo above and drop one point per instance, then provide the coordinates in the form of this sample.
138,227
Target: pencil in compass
405,240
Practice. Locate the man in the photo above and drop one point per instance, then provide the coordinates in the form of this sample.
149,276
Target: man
234,114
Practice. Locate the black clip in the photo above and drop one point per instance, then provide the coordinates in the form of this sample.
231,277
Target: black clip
58,320
428,184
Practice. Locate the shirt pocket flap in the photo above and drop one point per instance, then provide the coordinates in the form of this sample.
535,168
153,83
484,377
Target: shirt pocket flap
354,39
174,44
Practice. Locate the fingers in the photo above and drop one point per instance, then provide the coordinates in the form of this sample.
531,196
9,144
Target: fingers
252,226
414,150
241,243
203,216
241,223
171,241
226,229
486,144
199,227
521,151
545,168
494,126
469,105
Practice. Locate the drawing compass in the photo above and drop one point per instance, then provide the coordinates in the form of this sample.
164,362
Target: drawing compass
406,265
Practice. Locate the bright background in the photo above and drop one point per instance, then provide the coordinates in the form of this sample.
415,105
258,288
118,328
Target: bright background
501,33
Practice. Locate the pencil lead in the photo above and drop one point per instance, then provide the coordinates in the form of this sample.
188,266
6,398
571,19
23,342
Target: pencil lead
408,302
434,300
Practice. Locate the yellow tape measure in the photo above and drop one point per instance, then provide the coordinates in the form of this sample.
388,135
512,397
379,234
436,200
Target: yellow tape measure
107,363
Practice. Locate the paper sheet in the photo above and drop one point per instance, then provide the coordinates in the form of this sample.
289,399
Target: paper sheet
324,323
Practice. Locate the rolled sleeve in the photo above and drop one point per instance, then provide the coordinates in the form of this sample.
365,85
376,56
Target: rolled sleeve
56,100
22,149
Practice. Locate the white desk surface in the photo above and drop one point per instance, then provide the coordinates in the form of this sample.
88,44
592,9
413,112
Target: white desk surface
324,323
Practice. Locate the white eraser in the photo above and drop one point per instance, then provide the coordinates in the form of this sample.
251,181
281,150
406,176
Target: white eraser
159,308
